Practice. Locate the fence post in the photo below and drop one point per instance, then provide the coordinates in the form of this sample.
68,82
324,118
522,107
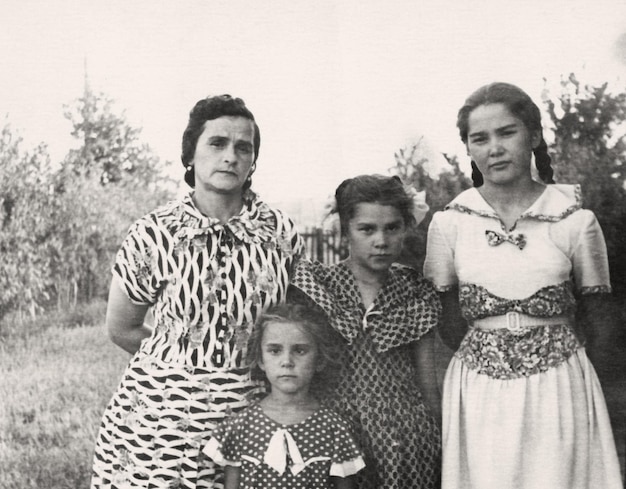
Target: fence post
319,244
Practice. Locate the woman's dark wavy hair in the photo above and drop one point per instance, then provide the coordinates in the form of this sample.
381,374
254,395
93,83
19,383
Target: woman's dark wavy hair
315,323
374,189
521,106
208,109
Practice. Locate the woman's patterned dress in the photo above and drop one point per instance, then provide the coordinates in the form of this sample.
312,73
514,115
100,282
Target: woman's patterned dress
377,389
207,283
522,406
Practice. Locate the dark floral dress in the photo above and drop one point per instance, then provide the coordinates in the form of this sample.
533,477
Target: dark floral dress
376,388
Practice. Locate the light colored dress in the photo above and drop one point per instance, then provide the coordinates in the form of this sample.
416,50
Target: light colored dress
522,407
207,282
376,389
277,456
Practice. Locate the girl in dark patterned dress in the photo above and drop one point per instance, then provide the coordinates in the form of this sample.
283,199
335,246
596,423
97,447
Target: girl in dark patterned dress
207,265
514,257
386,314
287,440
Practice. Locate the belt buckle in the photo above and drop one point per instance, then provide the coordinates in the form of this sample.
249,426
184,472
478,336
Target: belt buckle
513,322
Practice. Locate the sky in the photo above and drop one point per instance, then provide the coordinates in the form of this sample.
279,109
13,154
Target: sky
336,86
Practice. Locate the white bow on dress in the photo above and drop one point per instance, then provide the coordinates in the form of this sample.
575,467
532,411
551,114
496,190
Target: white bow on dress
281,446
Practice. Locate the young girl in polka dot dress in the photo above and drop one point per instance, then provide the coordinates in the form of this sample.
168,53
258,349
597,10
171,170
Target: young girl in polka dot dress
288,440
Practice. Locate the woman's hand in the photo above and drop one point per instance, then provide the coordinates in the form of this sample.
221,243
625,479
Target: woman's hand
124,320
453,326
343,482
598,318
426,365
231,477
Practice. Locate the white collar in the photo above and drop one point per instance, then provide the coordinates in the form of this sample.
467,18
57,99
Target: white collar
555,203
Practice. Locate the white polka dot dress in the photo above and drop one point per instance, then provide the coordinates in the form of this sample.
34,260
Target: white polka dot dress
271,455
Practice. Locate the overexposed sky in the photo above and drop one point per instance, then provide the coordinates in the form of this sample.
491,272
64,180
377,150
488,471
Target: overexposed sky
336,86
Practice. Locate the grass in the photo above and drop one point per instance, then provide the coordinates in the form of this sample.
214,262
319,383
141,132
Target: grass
56,376
55,383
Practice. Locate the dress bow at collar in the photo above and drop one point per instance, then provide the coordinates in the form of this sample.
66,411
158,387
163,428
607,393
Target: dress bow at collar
281,448
254,224
495,238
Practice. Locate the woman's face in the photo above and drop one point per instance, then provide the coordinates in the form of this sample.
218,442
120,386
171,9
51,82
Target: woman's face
224,155
375,235
500,144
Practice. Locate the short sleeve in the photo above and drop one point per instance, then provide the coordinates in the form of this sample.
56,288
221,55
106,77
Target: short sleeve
289,237
136,264
430,304
224,446
403,313
306,287
439,262
347,459
589,257
297,242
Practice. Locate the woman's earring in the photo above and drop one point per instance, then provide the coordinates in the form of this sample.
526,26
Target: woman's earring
189,167
248,183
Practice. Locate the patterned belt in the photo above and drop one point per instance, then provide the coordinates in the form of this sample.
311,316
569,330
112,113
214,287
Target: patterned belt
516,321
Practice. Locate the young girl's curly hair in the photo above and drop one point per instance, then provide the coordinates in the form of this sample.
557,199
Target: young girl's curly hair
315,323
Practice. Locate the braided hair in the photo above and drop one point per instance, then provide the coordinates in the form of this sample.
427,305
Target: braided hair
522,107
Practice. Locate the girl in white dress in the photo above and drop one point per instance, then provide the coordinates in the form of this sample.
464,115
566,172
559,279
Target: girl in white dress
516,259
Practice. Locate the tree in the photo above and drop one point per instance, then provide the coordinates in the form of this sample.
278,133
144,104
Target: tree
59,230
589,148
440,185
110,180
90,226
26,204
110,148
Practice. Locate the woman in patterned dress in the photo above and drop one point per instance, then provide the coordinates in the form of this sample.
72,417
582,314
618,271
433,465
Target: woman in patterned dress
386,314
207,265
522,405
